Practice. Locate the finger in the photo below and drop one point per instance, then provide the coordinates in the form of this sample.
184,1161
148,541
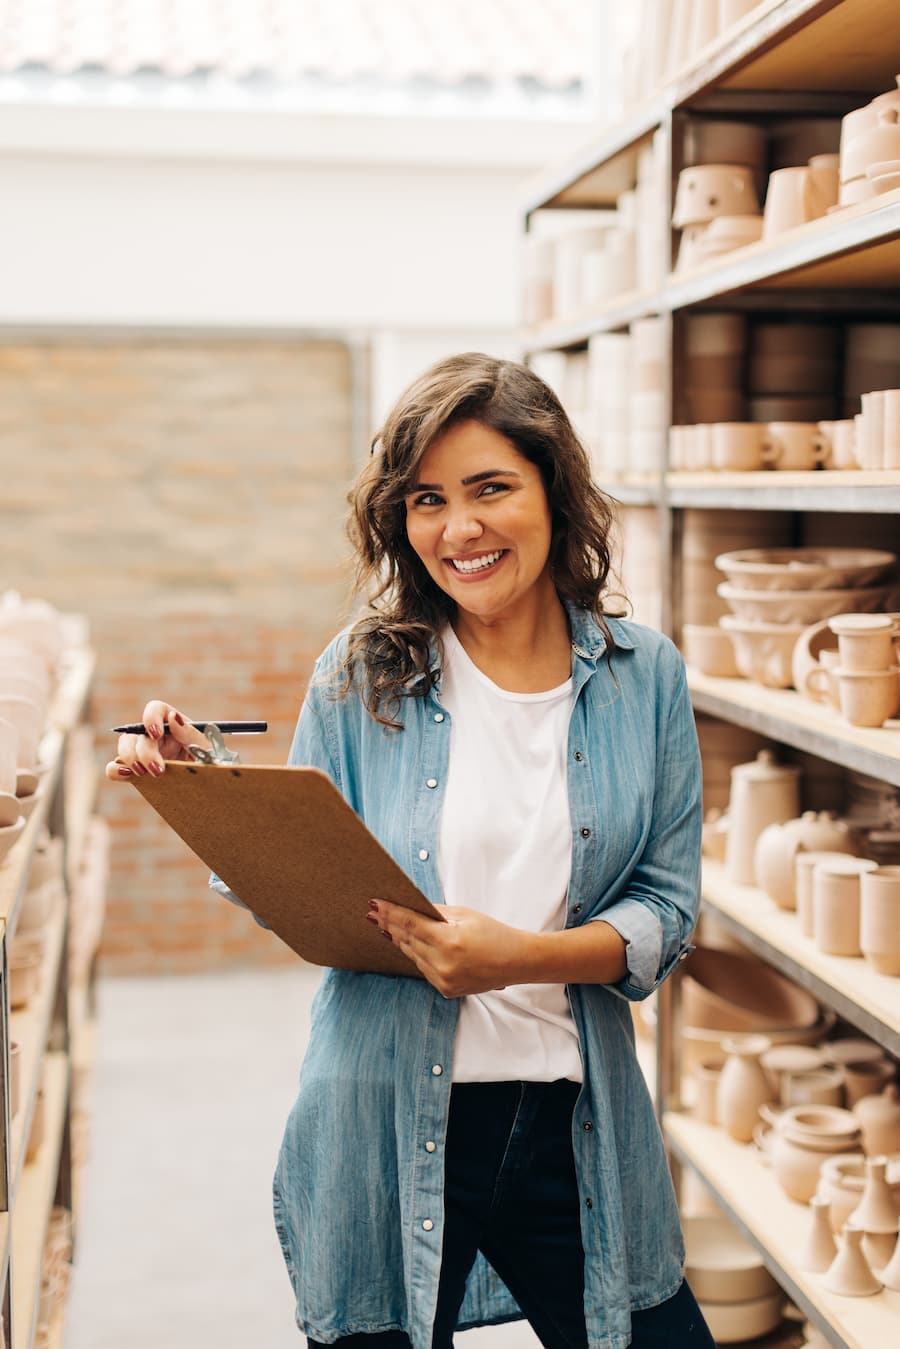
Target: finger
116,771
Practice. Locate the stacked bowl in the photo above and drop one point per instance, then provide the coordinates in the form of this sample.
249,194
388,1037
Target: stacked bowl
775,594
739,1298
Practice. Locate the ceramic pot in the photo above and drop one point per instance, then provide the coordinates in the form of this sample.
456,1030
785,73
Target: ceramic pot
708,190
868,697
763,651
743,1086
818,1086
865,641
890,1275
796,195
876,144
797,1161
720,1265
781,1060
795,446
879,919
736,991
709,649
706,1083
849,1273
736,1322
819,1248
715,835
763,792
875,1213
737,446
843,1180
836,904
804,868
36,625
841,437
821,683
879,1120
866,1079
778,845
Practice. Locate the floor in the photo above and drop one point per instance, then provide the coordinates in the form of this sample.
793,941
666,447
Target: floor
175,1240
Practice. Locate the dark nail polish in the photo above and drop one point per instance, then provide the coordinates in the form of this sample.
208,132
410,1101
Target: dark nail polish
124,772
179,718
373,905
371,919
156,770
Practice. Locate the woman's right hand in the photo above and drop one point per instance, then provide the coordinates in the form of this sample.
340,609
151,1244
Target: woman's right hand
140,754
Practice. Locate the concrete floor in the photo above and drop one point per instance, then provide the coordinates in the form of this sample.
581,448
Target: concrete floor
176,1246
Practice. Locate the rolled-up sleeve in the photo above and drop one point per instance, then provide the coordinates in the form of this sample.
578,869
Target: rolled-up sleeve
658,911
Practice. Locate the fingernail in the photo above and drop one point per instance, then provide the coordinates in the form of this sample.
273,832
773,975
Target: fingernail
156,769
155,731
124,772
138,769
370,919
388,935
373,905
179,718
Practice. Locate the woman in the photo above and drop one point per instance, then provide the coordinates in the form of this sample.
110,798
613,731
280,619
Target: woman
479,1144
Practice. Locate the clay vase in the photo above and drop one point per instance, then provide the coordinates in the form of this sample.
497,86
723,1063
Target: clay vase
879,919
763,792
879,1120
890,1275
743,1086
876,1215
804,1137
849,1273
820,1248
836,904
778,845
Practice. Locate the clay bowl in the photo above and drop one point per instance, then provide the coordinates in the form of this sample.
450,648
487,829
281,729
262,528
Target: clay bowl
9,809
29,797
720,1265
800,606
729,991
700,1044
763,651
805,568
732,1322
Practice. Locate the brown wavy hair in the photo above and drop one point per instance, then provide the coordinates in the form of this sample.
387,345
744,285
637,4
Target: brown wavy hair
391,645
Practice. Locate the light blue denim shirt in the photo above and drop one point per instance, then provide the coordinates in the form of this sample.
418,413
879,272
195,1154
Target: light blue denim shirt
359,1183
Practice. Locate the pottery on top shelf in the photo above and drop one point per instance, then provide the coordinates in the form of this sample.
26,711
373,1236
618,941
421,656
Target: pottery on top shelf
763,792
805,568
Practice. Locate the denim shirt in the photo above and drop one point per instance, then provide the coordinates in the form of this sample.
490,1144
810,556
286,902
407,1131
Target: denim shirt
359,1185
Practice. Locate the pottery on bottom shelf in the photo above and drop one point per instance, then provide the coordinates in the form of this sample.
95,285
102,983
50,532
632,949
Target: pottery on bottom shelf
849,1273
732,1322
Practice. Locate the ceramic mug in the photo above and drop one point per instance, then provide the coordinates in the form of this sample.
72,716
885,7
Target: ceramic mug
835,897
796,195
871,430
891,428
866,642
738,446
840,436
794,445
708,190
879,919
868,697
821,684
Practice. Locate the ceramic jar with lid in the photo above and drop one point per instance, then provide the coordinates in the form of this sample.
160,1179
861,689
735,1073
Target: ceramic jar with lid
879,1120
778,845
763,792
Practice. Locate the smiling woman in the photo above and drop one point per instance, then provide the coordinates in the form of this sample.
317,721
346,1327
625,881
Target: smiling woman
478,1144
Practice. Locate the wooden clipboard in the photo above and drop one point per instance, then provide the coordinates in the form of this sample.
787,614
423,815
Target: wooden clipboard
287,844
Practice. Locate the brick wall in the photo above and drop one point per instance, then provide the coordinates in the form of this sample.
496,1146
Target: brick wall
188,496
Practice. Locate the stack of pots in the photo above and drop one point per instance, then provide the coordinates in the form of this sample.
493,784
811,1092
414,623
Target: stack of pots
871,361
803,1137
793,372
649,407
776,594
870,149
608,397
717,210
865,678
713,376
638,563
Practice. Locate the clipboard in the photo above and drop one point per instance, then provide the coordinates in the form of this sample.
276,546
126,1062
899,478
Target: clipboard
288,845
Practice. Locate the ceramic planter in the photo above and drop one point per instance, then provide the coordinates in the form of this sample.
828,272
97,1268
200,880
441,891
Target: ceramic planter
836,904
879,925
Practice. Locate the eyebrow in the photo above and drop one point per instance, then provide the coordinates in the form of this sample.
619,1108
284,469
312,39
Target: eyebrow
468,482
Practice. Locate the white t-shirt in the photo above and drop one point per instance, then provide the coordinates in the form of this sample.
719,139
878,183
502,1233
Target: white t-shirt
506,848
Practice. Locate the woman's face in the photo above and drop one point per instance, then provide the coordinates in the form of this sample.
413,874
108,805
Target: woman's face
479,519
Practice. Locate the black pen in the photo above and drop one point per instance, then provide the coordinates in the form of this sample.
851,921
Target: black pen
226,727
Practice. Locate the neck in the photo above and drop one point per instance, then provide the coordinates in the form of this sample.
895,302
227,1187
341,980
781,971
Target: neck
528,650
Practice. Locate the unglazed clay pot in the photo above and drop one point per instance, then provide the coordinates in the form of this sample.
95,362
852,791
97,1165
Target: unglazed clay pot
865,641
879,919
866,1079
836,904
763,792
721,1266
781,1060
804,876
849,1274
743,1086
876,1215
819,1248
706,1084
843,1179
708,190
803,1137
778,845
817,1086
879,1120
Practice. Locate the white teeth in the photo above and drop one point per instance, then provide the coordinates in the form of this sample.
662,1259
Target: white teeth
478,563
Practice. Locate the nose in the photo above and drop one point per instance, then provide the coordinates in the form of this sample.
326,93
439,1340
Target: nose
462,525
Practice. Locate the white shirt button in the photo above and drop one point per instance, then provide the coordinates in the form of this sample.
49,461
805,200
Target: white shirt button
437,1069
423,854
432,782
439,716
427,1225
429,1146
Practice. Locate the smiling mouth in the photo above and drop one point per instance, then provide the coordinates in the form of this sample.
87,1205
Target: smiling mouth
471,566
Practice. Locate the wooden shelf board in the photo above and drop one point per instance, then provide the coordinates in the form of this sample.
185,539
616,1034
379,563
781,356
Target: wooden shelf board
603,167
557,334
30,1027
33,1204
783,714
854,490
747,1189
849,45
849,984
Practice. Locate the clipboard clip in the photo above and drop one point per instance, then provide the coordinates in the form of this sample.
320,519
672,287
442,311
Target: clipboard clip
220,753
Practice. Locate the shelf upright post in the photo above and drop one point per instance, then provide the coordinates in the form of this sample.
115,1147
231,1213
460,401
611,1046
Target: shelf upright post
5,1118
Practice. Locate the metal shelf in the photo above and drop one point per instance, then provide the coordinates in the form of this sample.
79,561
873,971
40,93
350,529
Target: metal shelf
605,166
633,490
870,1001
782,714
748,1192
875,493
562,334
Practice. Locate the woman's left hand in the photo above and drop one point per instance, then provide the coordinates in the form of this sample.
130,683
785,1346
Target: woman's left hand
468,953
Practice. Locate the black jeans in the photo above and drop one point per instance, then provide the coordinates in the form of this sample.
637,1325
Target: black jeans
510,1191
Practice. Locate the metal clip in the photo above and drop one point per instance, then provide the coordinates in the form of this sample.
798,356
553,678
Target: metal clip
220,753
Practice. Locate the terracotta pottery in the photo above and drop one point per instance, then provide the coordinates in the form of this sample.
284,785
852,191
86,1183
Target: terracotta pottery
865,641
819,1248
743,1086
709,649
796,195
842,438
783,1059
879,1120
736,991
843,1179
804,864
849,1273
763,651
874,145
810,568
875,1212
763,792
715,834
803,1137
817,1086
737,446
890,1275
778,845
720,1265
706,1082
736,1322
795,446
800,606
868,697
821,682
866,1079
707,190
879,919
835,889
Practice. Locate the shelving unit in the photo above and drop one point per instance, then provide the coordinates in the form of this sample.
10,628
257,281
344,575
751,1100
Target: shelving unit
41,1028
787,58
